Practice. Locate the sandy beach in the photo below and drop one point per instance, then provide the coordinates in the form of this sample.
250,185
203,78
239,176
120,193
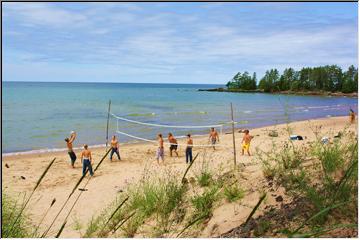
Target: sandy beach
20,173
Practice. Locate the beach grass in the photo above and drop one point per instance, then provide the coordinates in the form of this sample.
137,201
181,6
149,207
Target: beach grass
203,203
160,206
151,198
324,174
205,177
233,193
11,208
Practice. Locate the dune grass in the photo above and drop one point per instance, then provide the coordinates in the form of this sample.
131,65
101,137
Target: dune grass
11,208
325,175
203,203
233,193
160,206
205,177
151,198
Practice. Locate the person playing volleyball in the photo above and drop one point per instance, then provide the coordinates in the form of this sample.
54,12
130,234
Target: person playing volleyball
188,151
173,144
114,148
160,150
352,116
69,144
214,136
246,142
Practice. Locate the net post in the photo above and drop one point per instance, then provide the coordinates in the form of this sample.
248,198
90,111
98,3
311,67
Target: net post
233,132
107,126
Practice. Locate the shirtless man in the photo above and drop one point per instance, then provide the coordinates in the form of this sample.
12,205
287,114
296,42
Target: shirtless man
213,137
173,145
352,116
114,148
246,142
160,150
188,151
69,145
86,160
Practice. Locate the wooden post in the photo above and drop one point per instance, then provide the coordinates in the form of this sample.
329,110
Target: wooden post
233,133
107,125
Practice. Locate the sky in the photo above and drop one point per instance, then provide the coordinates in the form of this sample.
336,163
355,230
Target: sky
200,43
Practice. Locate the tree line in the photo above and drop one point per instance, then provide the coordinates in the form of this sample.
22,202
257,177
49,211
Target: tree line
330,78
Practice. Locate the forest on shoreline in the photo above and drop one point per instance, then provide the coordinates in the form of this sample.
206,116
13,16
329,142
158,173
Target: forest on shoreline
329,78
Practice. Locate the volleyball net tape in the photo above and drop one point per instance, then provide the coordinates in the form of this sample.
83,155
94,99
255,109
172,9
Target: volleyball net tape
118,118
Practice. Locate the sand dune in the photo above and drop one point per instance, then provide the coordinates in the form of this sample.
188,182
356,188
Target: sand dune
113,177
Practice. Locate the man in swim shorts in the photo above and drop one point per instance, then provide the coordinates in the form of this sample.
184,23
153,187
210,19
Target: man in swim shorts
246,142
188,151
114,148
160,150
352,116
69,145
213,137
173,144
86,160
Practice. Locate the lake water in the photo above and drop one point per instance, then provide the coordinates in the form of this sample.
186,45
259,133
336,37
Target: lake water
38,116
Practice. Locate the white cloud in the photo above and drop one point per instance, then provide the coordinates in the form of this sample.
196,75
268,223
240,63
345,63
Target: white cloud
45,14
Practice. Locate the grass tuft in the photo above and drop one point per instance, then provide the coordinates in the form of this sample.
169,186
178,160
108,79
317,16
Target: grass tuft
204,179
9,228
233,193
203,203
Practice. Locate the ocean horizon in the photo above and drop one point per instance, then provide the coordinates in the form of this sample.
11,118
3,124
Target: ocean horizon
37,116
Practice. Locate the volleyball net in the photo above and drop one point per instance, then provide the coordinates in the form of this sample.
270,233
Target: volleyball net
184,129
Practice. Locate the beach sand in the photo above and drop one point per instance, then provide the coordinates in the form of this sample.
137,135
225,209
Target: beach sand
113,177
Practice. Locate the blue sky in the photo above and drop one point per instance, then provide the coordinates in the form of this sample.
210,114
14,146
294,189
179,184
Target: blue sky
172,42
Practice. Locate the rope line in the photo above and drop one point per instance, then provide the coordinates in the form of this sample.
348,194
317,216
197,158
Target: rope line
167,126
153,141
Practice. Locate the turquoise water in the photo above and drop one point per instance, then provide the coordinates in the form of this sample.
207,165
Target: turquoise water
40,115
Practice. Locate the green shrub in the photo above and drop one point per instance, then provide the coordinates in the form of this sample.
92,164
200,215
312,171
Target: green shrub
131,226
92,227
144,197
204,179
203,203
233,193
170,201
161,199
261,228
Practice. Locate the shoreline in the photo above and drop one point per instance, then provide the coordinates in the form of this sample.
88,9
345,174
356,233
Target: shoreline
300,93
137,142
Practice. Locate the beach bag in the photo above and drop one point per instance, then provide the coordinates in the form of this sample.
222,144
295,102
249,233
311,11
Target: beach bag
296,137
293,137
